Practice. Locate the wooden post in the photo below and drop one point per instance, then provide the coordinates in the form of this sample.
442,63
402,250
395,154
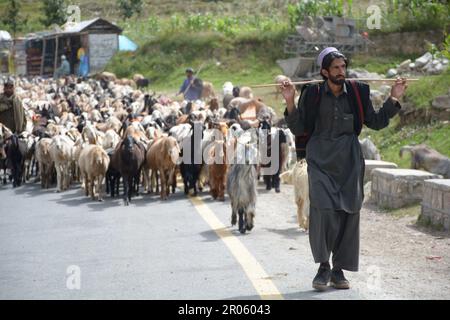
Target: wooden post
43,56
56,55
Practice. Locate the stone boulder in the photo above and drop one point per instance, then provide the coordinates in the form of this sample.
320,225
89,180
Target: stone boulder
423,60
391,73
361,73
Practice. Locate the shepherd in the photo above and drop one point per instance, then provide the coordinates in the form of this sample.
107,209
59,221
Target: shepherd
192,86
327,121
12,113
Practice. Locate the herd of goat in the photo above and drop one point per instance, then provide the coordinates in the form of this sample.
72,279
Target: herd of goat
100,131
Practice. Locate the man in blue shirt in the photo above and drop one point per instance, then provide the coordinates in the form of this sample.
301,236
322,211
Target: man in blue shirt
191,87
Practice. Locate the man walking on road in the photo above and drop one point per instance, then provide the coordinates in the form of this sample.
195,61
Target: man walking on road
329,118
12,113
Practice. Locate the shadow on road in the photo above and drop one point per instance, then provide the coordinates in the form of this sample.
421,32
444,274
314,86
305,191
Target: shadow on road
290,233
300,295
429,231
211,235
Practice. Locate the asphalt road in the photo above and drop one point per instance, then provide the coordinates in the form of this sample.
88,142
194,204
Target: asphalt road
65,246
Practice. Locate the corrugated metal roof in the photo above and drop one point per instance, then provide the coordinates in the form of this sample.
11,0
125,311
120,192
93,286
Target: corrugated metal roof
77,27
68,28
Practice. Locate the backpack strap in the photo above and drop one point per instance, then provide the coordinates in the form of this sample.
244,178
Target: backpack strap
358,100
302,140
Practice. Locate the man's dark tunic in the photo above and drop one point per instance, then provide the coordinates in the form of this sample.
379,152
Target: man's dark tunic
336,174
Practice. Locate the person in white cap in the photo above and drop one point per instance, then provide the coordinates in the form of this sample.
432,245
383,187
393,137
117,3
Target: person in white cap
327,121
63,70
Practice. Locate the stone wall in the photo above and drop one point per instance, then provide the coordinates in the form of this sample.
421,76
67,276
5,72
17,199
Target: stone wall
406,43
371,165
396,188
436,204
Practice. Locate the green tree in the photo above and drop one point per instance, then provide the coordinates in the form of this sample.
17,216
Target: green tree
129,7
12,18
54,12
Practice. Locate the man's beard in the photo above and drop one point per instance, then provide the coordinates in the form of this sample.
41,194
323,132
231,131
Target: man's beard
337,80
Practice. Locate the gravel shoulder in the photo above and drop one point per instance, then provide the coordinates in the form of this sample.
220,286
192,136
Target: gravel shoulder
398,258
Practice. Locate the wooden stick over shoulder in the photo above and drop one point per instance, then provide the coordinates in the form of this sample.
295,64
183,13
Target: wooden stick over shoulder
319,81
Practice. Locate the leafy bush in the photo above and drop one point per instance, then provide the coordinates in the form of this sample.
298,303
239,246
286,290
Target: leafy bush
415,15
446,50
313,8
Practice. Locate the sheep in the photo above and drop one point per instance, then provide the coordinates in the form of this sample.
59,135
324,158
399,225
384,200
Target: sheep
208,90
111,123
61,153
180,132
227,88
93,163
141,81
163,156
27,145
110,140
246,92
92,135
137,77
298,176
292,154
106,76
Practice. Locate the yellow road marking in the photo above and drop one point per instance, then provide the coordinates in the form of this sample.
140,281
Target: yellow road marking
255,272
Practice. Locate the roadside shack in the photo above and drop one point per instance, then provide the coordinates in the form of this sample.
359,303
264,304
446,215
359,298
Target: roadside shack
98,37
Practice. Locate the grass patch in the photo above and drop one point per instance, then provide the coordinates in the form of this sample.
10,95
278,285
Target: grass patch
389,140
378,64
421,93
409,211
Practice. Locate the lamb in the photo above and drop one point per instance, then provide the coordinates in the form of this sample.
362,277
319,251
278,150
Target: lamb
298,176
93,163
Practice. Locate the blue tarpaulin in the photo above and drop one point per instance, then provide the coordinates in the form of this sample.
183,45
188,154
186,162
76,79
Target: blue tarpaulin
125,44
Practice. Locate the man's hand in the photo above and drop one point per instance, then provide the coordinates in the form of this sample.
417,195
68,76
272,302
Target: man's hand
288,92
399,88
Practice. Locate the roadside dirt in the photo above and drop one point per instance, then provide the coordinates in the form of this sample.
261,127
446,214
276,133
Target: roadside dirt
398,258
